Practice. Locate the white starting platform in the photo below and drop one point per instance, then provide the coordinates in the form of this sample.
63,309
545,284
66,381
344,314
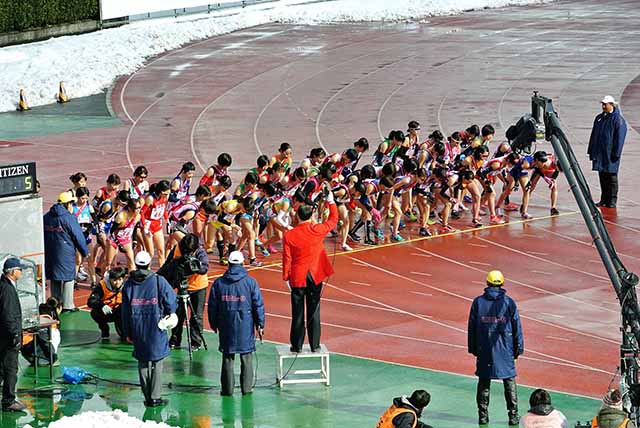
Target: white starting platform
290,376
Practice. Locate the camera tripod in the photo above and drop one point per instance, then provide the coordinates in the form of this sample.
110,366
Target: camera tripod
186,305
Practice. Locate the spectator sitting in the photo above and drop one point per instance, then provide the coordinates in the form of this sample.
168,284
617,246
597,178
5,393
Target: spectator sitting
542,414
48,311
405,412
611,414
105,301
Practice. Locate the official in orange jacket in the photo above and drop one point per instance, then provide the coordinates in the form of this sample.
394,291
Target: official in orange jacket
405,411
305,265
105,301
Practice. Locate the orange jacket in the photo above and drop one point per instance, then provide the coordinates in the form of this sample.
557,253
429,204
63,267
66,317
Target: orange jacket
386,420
303,251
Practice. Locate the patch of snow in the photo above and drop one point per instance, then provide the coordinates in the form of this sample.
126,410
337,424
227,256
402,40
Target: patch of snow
114,419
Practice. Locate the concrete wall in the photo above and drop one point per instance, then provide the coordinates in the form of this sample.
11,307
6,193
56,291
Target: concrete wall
46,33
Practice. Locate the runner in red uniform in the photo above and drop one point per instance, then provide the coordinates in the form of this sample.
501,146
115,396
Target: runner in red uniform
153,213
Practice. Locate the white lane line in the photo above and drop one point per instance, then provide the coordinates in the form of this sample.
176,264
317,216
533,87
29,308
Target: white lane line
360,283
478,245
552,315
339,302
450,345
473,262
559,338
478,282
422,294
561,327
541,272
513,250
537,253
421,273
421,255
441,324
622,226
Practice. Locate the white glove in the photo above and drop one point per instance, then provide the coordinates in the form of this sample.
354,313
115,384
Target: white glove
168,322
330,199
288,285
106,309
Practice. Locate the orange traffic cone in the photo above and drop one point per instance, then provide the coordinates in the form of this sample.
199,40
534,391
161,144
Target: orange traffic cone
22,104
61,96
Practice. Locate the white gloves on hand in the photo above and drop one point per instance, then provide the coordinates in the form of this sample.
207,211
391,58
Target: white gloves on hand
168,322
106,309
330,199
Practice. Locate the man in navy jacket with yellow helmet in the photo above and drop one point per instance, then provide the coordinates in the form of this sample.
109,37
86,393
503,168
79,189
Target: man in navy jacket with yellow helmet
495,339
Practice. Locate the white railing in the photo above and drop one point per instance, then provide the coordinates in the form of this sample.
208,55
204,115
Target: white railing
119,9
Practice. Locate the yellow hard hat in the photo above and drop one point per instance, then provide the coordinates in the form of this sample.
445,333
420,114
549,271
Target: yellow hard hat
66,197
495,277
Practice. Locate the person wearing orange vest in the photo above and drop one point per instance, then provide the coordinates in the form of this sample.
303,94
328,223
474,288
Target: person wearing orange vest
405,411
197,289
105,300
611,414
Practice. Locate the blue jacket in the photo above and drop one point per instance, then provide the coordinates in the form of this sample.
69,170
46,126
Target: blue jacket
147,297
495,334
606,142
235,310
62,237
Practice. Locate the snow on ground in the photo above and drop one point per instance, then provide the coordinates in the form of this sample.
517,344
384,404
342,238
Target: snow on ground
89,63
115,419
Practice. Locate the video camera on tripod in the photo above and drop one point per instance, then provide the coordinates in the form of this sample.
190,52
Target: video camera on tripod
529,128
177,270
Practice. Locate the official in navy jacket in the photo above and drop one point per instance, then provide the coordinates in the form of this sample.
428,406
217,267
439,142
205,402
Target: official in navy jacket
236,311
495,339
605,148
62,237
148,309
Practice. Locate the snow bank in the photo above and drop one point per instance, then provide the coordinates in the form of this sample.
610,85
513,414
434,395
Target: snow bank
114,419
89,63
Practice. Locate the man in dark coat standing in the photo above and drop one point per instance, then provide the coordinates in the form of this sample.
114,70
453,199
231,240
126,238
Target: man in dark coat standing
235,311
62,237
605,148
148,310
305,265
495,339
10,334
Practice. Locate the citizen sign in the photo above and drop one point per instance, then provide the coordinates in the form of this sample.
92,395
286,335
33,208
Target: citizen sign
14,171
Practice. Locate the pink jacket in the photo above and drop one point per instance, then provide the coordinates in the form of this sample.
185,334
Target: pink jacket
555,419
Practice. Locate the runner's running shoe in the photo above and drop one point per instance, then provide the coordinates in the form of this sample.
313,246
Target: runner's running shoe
424,232
447,229
494,219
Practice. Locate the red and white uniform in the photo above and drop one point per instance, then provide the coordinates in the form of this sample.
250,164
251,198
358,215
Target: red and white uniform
152,215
